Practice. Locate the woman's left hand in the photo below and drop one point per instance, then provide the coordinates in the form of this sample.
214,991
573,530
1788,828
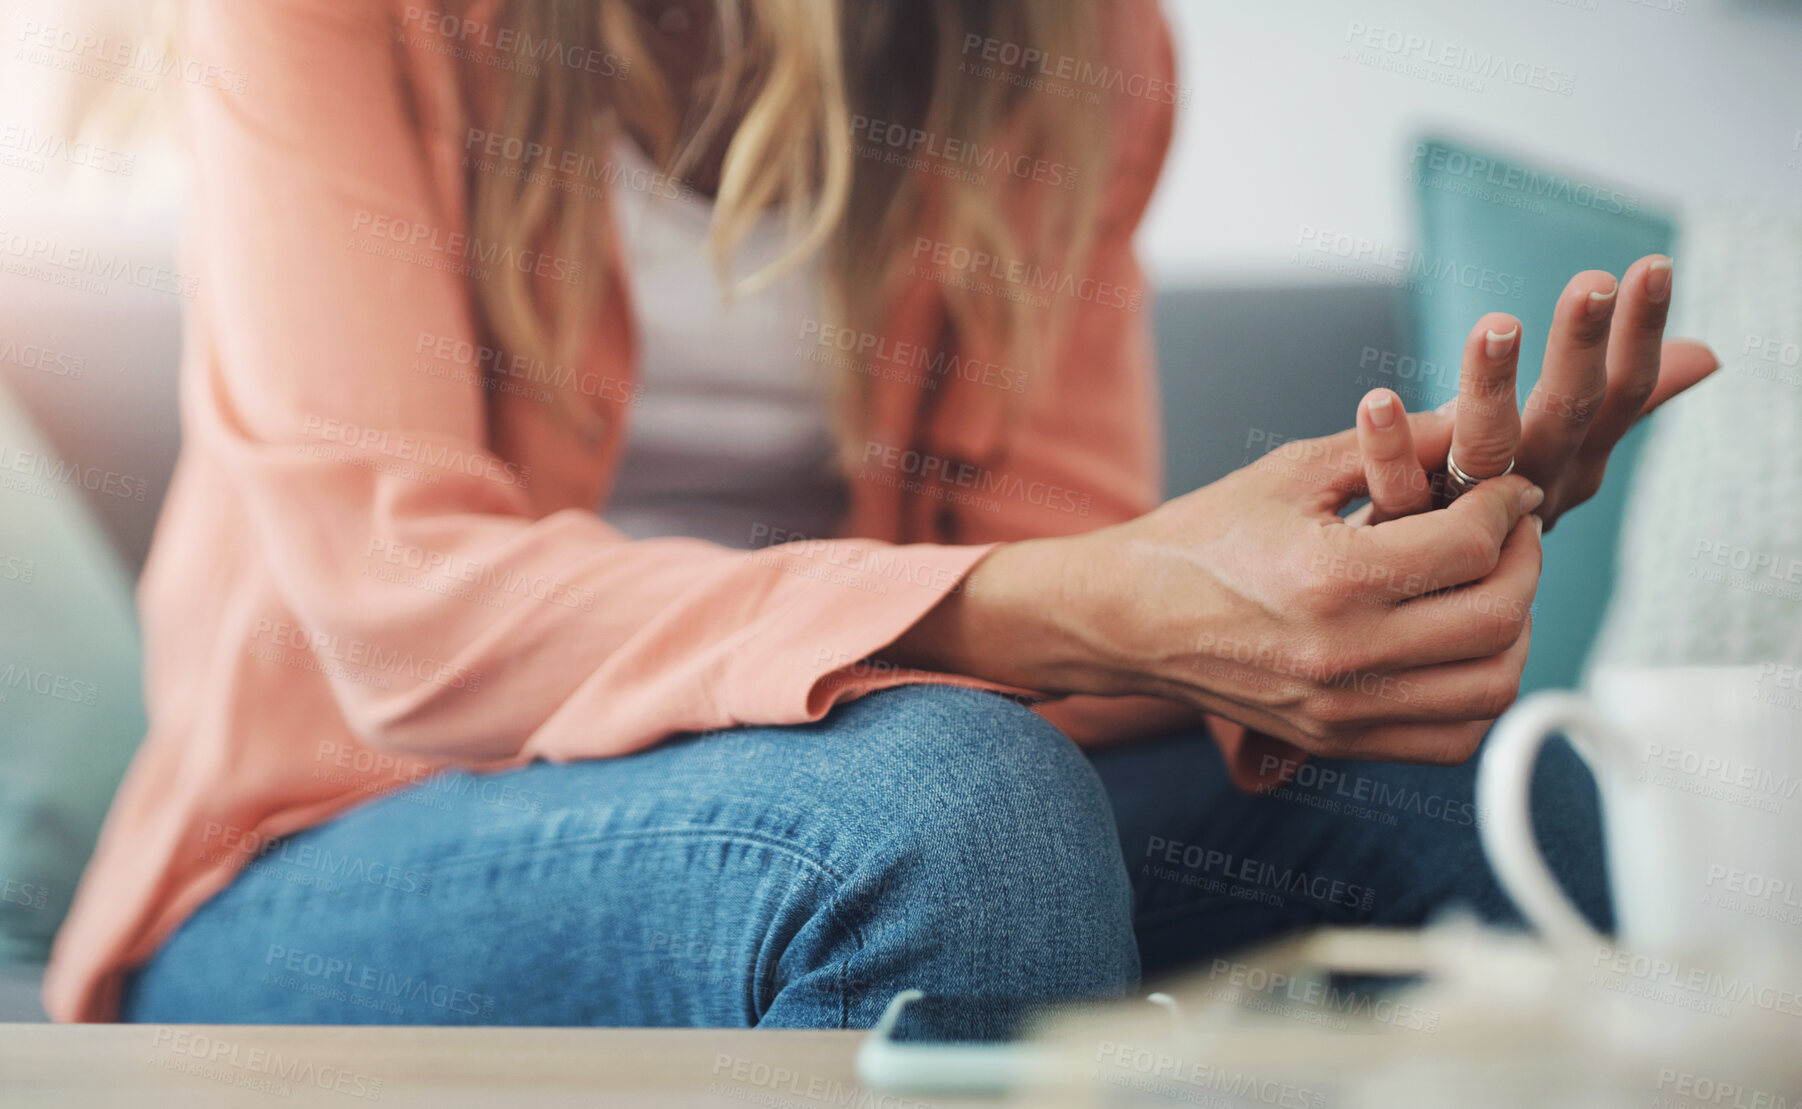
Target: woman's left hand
1606,365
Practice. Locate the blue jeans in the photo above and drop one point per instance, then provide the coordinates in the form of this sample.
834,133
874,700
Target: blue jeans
926,837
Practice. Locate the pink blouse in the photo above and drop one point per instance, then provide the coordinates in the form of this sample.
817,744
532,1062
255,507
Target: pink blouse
371,565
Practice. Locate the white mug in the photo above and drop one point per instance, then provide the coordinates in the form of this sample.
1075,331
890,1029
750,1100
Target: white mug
1700,775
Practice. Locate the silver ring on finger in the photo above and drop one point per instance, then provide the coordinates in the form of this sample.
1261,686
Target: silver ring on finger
1459,482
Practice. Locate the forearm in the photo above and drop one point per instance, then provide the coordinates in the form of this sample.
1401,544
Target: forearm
1023,617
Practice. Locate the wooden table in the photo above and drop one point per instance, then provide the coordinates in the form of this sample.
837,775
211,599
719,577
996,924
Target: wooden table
151,1066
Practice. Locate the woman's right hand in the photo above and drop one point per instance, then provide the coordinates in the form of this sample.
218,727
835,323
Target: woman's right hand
1252,599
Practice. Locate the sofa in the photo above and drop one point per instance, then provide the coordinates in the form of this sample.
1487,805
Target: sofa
91,376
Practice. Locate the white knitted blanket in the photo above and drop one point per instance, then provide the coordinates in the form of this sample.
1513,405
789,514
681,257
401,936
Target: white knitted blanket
1710,567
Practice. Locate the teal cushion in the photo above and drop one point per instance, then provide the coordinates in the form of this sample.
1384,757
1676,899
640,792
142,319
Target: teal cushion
71,704
1499,235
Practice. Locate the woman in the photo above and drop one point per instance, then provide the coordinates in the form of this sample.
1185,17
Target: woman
501,671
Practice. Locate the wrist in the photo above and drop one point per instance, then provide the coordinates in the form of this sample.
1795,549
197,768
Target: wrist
1019,618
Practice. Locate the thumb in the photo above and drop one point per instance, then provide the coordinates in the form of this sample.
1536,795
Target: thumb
1463,541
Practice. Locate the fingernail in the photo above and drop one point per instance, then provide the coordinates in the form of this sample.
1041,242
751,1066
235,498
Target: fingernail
1601,304
1382,411
1497,344
1658,280
1531,497
1538,524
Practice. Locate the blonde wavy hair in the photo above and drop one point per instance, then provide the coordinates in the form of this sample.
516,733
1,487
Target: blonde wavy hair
798,74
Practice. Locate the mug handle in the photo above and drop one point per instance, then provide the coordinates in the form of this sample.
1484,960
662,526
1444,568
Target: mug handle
1505,820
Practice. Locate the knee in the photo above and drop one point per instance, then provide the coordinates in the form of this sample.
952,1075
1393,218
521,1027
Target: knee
992,831
977,769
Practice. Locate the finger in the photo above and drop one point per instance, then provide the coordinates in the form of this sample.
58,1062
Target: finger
1635,353
1478,689
1682,363
1477,620
1685,362
1480,620
1396,480
1328,472
1428,715
1437,742
1574,382
1486,419
1453,545
1432,434
1430,744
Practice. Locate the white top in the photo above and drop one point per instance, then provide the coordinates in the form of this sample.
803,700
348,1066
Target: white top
730,440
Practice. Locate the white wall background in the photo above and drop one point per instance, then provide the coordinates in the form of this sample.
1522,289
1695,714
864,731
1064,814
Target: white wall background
1282,129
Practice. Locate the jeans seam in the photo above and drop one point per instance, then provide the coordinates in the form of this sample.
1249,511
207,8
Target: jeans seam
733,836
844,966
535,850
730,835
